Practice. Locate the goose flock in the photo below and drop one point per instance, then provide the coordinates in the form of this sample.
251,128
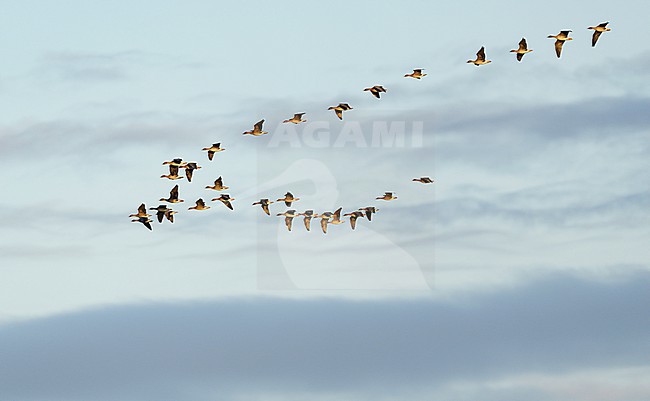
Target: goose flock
163,212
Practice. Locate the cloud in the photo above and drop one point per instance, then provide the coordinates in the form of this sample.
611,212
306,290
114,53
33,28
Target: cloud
260,348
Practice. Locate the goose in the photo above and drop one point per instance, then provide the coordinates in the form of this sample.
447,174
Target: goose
376,90
340,109
296,119
523,49
178,162
480,58
307,220
189,170
598,30
423,180
369,211
417,74
163,211
288,217
325,218
388,196
173,196
216,147
561,37
200,205
288,199
144,220
265,205
336,217
218,185
225,199
257,129
142,212
173,173
353,218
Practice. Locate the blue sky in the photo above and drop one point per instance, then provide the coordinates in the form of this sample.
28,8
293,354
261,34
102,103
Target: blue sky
497,282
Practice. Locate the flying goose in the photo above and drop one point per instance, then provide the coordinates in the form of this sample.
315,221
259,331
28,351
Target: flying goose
163,211
561,37
218,185
144,220
178,162
142,212
388,196
173,196
200,205
353,218
189,170
480,58
265,205
523,49
216,147
288,199
325,218
225,199
296,119
417,74
423,180
340,109
257,129
376,90
173,173
336,217
288,217
369,211
307,220
598,30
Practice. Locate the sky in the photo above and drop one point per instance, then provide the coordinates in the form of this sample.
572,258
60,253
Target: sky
521,273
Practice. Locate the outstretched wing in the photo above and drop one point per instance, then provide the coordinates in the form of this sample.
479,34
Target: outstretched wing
173,194
323,225
307,221
481,54
339,113
522,44
558,47
258,126
265,207
594,38
288,221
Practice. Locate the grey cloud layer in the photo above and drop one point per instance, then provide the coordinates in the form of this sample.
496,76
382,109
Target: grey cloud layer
261,348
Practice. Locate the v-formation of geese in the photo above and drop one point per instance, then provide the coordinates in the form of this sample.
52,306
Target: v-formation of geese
163,212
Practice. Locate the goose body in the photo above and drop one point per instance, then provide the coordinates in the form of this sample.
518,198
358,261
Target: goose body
296,119
424,180
162,211
173,173
264,203
353,218
144,220
376,90
369,211
523,49
257,129
288,218
560,38
598,30
388,196
339,109
216,147
417,74
200,205
142,212
288,199
178,162
336,217
173,196
480,58
189,170
218,185
225,199
308,215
